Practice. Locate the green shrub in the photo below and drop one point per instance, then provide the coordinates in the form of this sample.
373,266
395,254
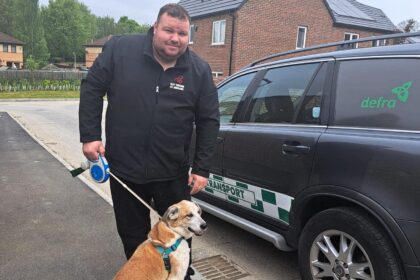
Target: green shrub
43,85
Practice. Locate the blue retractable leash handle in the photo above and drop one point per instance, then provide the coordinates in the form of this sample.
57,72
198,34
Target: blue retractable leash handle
98,169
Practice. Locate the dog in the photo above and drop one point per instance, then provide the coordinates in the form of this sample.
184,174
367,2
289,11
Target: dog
180,222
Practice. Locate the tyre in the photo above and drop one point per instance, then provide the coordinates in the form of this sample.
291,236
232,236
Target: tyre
344,243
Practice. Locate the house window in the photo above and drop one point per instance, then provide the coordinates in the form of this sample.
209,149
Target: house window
219,32
191,34
217,74
13,47
377,43
5,48
351,36
301,37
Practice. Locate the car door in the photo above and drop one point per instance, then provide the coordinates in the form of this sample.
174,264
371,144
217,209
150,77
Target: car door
268,152
230,95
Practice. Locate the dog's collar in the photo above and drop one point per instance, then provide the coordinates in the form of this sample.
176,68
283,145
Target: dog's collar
166,251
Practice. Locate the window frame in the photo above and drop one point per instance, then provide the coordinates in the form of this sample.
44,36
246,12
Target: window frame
213,42
217,74
191,34
13,48
5,47
304,36
377,43
351,34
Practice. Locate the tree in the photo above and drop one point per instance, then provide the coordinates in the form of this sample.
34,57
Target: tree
41,52
28,28
70,25
6,16
22,20
409,25
128,26
32,65
105,26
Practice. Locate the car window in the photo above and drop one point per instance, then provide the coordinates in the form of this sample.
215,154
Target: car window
230,94
279,93
310,110
378,93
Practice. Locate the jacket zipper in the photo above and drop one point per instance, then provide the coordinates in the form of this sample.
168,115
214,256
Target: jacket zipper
157,88
152,123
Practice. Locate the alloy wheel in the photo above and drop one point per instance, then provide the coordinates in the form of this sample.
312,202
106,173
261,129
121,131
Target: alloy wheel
336,255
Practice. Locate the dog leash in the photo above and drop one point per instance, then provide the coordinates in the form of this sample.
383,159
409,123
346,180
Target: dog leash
134,194
100,172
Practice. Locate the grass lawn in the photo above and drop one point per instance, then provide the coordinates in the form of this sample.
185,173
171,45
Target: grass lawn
39,94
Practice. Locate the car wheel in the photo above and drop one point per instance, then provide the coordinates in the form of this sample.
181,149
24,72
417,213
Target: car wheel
344,243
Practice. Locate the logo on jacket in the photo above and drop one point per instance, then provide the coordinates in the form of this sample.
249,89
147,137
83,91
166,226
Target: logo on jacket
179,83
179,79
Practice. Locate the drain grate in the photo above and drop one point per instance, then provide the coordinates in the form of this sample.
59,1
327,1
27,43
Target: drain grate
219,268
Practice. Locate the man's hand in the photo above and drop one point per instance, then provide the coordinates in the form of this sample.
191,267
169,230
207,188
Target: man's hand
91,150
197,183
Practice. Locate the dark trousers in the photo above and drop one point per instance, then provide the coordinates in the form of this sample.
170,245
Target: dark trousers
133,218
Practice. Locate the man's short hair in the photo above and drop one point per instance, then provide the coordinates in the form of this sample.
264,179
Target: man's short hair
174,10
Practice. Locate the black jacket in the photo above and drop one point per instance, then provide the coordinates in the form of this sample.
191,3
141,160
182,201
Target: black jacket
151,112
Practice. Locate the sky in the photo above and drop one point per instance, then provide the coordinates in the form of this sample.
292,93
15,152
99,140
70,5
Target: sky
145,11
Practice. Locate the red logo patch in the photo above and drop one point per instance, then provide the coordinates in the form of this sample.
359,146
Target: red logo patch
179,79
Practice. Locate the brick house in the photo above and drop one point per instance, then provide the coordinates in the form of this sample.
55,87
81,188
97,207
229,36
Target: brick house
94,49
230,34
11,51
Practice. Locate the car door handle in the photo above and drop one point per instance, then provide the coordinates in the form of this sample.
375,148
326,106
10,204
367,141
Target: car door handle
295,149
220,139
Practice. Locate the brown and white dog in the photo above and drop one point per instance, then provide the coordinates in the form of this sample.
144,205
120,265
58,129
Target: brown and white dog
181,220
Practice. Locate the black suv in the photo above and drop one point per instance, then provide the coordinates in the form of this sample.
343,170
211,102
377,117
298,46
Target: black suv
321,153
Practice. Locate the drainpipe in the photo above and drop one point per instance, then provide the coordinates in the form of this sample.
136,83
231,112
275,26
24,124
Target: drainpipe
231,42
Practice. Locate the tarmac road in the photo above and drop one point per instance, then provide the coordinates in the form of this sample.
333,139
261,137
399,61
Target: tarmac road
54,124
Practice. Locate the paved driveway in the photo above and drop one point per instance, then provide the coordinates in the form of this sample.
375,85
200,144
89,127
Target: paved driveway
51,225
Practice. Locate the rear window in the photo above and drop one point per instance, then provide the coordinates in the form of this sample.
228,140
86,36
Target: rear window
378,93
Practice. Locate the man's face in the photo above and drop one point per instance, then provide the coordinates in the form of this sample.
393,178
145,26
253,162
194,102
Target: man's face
170,38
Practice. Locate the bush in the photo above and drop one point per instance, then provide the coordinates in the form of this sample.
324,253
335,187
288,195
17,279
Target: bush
27,85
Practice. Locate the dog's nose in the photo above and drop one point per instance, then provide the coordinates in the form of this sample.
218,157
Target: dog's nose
203,226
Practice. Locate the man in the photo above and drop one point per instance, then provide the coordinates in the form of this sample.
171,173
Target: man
156,89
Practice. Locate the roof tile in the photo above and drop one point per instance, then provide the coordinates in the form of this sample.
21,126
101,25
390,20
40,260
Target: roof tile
4,38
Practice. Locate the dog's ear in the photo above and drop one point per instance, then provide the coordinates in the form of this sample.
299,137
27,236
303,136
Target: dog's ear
199,208
171,214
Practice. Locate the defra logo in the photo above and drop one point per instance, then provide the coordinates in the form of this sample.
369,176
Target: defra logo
381,102
401,92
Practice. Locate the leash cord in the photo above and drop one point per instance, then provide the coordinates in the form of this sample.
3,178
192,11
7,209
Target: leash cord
134,194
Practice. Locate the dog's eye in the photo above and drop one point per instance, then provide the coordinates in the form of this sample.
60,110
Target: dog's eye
190,215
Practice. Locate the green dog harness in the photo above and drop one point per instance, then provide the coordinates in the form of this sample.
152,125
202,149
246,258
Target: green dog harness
166,251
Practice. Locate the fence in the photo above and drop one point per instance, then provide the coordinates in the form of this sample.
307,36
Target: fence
11,75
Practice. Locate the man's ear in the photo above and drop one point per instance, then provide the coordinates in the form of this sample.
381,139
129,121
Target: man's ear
171,214
155,25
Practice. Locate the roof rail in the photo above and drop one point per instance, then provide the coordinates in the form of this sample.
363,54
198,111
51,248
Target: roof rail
340,43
